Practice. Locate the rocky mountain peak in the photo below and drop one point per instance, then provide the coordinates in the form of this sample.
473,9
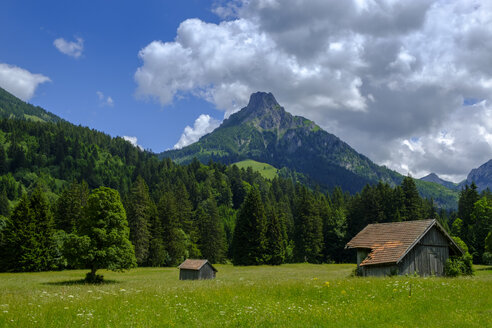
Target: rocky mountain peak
482,176
262,100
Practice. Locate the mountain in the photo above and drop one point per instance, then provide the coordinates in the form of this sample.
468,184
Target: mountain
482,176
263,131
436,179
13,107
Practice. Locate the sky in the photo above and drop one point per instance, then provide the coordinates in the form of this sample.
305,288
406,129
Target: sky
406,83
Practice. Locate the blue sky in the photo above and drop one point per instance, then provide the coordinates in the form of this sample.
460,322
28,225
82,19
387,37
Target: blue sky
406,83
113,33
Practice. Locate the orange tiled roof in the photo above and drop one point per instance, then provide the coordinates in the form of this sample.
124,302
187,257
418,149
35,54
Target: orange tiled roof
389,241
190,264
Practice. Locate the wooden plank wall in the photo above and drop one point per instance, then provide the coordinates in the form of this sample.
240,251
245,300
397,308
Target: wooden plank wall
428,257
206,272
188,274
379,270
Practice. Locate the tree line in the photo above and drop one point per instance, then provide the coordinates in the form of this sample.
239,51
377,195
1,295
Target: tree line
49,172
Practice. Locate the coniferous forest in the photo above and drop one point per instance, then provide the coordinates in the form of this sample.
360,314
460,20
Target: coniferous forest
69,194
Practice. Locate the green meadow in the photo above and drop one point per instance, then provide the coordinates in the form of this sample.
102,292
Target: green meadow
292,295
266,170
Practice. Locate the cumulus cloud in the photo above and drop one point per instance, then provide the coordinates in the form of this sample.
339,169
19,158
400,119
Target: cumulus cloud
20,82
70,48
104,100
203,124
386,76
133,141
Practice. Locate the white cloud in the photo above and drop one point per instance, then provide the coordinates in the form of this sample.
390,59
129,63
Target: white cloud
20,82
203,124
104,100
133,141
70,48
374,72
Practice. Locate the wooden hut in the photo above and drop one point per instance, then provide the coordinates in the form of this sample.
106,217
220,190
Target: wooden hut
196,269
407,247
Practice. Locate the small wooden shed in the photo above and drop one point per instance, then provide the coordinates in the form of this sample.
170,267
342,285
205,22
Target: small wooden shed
196,269
407,247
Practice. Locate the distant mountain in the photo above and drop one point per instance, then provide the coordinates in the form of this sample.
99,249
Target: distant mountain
436,179
13,107
482,176
263,131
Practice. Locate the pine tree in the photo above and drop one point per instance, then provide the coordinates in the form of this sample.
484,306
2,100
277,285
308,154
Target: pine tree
4,204
29,244
3,160
212,236
412,200
481,226
139,212
47,252
249,240
276,238
68,208
173,237
466,203
308,236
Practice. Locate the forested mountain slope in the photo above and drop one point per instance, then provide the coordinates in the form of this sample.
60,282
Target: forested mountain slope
263,131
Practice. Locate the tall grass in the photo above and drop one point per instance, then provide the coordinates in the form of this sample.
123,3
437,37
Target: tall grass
294,295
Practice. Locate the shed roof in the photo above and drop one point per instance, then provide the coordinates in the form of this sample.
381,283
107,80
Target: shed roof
390,242
191,264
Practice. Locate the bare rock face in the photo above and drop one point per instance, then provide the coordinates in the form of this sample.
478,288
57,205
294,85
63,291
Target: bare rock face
482,176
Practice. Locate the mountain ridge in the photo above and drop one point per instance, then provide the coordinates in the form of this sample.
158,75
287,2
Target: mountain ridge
482,176
264,131
13,107
433,177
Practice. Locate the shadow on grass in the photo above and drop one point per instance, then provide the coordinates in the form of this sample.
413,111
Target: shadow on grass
80,282
488,268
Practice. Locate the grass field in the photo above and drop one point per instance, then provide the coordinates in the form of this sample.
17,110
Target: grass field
294,295
266,170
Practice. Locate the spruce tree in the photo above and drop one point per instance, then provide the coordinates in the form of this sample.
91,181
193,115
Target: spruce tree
173,237
4,204
212,239
139,212
249,240
68,208
481,226
308,236
29,243
276,238
412,200
466,203
3,160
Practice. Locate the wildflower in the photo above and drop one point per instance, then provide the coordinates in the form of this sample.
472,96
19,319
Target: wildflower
327,284
315,278
344,292
122,290
70,296
394,289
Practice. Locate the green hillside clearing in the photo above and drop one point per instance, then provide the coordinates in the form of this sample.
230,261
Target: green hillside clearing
266,170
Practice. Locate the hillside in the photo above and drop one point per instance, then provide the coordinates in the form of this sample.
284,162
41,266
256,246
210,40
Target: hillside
12,107
263,131
482,176
266,170
436,179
